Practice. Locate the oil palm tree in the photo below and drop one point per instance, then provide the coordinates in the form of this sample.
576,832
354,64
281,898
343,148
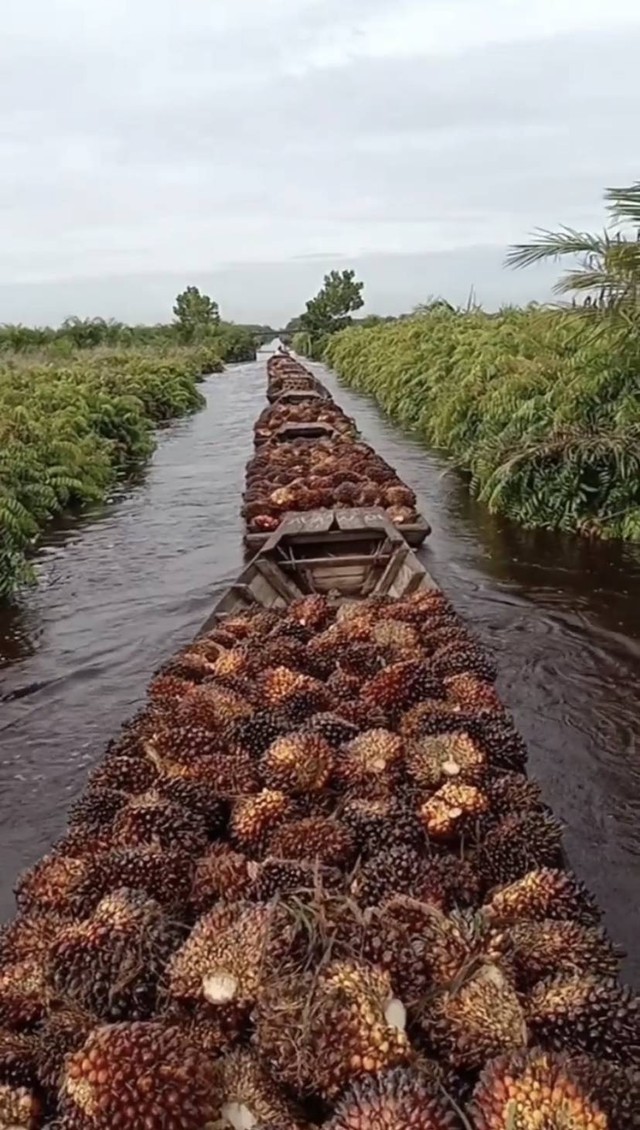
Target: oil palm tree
608,265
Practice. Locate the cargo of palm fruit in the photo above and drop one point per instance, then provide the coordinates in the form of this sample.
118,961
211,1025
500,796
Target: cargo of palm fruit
311,418
310,885
286,375
311,474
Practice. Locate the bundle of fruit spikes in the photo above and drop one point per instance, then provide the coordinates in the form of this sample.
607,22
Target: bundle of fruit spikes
311,474
320,411
311,885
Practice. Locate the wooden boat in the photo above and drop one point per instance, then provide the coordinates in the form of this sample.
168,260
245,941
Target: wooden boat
317,430
346,554
413,533
299,396
275,388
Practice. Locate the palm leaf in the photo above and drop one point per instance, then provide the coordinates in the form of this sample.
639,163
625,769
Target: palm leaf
554,245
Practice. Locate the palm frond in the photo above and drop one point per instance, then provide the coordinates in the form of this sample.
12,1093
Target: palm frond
555,245
624,204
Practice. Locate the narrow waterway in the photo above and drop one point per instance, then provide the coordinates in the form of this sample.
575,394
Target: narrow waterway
124,586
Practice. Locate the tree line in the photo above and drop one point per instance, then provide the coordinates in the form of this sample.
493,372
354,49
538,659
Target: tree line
196,321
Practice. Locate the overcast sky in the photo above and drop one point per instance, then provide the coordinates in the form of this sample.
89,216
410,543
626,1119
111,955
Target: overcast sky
248,146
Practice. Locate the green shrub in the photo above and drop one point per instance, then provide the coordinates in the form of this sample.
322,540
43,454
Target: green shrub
68,428
541,407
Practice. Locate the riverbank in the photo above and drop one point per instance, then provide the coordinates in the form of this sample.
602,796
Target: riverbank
70,429
538,410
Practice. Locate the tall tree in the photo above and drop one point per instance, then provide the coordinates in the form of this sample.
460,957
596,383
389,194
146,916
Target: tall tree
194,313
333,305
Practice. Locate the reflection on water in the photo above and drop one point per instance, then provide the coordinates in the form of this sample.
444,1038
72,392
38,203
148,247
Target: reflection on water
124,587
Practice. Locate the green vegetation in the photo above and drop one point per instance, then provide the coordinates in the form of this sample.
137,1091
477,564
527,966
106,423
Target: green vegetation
69,430
195,314
197,321
327,314
78,405
541,406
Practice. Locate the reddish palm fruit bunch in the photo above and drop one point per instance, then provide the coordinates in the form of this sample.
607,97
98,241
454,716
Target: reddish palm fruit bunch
124,774
110,964
255,819
541,894
515,845
472,693
18,1064
321,1034
298,764
213,708
580,1012
165,876
315,839
371,764
151,818
222,967
63,1031
248,1096
24,994
543,949
463,659
544,1090
400,685
393,1100
475,1019
221,873
98,806
82,841
453,810
29,936
382,823
138,1076
427,610
199,798
420,948
398,870
59,884
20,1108
256,734
434,761
297,695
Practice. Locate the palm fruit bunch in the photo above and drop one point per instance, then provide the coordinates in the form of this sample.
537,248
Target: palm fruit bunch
319,1033
218,972
404,1097
549,1091
248,1097
110,963
21,1101
138,1075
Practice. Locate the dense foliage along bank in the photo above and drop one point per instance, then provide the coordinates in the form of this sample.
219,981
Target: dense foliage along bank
68,430
541,407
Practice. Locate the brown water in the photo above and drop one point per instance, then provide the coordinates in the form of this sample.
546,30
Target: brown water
126,585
